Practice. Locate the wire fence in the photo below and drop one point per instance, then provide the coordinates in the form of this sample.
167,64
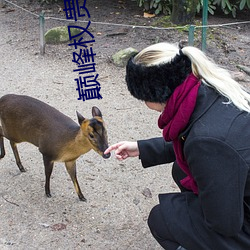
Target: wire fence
190,27
128,25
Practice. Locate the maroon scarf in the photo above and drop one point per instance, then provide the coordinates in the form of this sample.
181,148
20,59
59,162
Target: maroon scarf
175,118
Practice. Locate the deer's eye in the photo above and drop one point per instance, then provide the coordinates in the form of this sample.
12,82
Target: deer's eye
91,136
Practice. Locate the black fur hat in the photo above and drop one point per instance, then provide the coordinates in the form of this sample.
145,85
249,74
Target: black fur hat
156,83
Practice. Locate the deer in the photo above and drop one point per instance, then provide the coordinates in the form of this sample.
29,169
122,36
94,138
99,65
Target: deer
58,137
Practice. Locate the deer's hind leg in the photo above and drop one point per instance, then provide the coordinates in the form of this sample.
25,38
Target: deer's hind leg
71,168
18,161
1,144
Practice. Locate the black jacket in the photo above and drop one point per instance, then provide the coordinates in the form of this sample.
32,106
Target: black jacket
216,145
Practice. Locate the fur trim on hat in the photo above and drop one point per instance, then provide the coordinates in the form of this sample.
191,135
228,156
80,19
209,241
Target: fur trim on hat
156,83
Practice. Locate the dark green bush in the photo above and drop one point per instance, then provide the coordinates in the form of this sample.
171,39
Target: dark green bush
227,6
156,6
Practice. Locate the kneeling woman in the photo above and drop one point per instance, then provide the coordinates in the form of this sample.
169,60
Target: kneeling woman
205,118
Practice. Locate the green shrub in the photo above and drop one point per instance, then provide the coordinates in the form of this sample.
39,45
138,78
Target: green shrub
227,6
157,6
211,7
232,6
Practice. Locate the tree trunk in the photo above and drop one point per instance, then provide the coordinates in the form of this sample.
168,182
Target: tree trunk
183,11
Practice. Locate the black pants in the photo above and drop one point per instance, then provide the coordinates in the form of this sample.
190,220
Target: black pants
156,222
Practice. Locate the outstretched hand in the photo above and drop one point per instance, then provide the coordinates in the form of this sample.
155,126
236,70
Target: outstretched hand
124,150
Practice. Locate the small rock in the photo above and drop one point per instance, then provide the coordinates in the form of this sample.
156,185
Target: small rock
147,193
44,225
239,76
244,68
121,58
9,243
59,34
136,201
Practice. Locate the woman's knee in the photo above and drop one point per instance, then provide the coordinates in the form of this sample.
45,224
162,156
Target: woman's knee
159,229
153,218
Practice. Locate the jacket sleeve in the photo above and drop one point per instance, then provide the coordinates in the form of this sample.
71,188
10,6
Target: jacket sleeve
220,173
155,151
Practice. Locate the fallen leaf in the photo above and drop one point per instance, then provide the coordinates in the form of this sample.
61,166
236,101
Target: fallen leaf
58,227
148,15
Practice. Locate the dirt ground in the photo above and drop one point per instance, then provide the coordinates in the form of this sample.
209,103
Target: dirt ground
119,195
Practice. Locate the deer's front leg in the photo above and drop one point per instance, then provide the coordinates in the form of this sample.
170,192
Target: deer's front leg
71,168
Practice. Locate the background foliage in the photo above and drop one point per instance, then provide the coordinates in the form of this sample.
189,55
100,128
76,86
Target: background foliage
165,6
157,6
227,6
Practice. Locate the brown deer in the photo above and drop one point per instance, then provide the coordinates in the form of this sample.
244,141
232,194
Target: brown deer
59,139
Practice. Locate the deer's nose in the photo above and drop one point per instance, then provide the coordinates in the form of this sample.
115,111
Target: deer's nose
106,156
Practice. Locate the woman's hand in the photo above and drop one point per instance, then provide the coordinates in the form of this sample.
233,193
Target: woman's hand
124,150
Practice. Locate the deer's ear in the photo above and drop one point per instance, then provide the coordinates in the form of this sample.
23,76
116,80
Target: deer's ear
80,118
96,112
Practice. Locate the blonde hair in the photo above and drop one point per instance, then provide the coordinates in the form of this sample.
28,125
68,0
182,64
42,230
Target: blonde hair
202,67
